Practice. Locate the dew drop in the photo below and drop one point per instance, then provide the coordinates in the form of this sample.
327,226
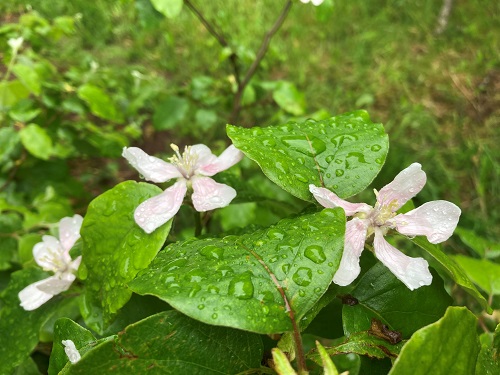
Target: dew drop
215,316
212,252
376,148
275,234
302,293
329,158
300,177
339,172
303,276
241,286
201,306
379,161
315,253
308,145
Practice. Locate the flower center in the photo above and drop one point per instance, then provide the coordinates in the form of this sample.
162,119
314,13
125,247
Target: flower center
55,260
186,162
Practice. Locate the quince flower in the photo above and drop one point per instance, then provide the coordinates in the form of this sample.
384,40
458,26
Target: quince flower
71,351
436,220
314,2
192,170
52,254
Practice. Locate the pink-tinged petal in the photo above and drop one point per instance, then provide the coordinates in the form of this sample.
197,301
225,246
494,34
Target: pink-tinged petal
329,199
69,231
226,160
436,220
355,236
150,167
405,186
71,351
32,297
57,284
202,153
50,255
209,195
156,211
413,272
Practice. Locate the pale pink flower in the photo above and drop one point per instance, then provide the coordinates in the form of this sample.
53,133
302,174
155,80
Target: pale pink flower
192,170
314,2
52,254
436,220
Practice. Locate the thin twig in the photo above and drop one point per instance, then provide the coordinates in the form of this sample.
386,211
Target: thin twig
233,58
260,55
444,15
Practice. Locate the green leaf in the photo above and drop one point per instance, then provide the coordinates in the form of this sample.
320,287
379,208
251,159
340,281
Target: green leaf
29,77
169,8
19,328
362,343
488,360
281,363
482,272
480,245
115,249
381,295
328,365
99,102
11,93
170,113
449,346
235,281
36,140
289,98
9,141
346,152
66,329
170,343
456,273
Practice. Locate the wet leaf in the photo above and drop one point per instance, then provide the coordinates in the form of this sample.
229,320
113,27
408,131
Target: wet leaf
427,353
115,249
482,272
344,153
456,273
171,343
229,281
169,8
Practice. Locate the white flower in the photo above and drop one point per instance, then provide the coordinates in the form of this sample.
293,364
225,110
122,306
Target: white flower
436,220
314,2
71,351
15,43
52,254
192,170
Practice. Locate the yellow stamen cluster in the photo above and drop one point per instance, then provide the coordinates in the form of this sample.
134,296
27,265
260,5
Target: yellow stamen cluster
185,162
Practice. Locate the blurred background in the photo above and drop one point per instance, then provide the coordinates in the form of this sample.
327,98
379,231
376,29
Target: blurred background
94,76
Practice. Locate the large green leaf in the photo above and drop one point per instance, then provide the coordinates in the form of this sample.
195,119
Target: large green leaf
453,270
381,295
448,346
235,281
170,113
482,272
29,77
171,343
488,360
36,140
19,328
344,153
66,329
169,8
115,249
99,102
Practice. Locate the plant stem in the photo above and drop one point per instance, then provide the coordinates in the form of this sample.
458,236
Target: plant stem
260,55
198,228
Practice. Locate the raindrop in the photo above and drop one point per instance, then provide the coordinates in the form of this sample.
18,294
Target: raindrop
257,131
328,175
379,161
265,310
302,293
215,316
339,172
315,253
300,177
269,142
175,264
273,260
317,290
212,252
275,234
376,148
330,264
329,158
195,276
285,268
303,276
308,145
241,286
194,290
201,306
281,167
301,160
213,289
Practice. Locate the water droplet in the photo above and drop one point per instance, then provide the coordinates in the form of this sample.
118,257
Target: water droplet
215,316
340,139
379,161
302,293
273,259
194,290
317,290
212,252
275,234
241,286
300,177
226,271
320,272
201,306
213,289
175,264
308,145
303,276
195,276
281,167
339,172
315,253
301,160
329,158
376,148
265,310
354,157
330,264
269,142
257,131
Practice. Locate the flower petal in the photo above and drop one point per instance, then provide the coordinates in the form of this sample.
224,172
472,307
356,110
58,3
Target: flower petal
156,211
209,195
57,284
69,231
329,199
405,186
71,351
355,236
150,167
436,220
413,272
227,159
32,297
50,255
